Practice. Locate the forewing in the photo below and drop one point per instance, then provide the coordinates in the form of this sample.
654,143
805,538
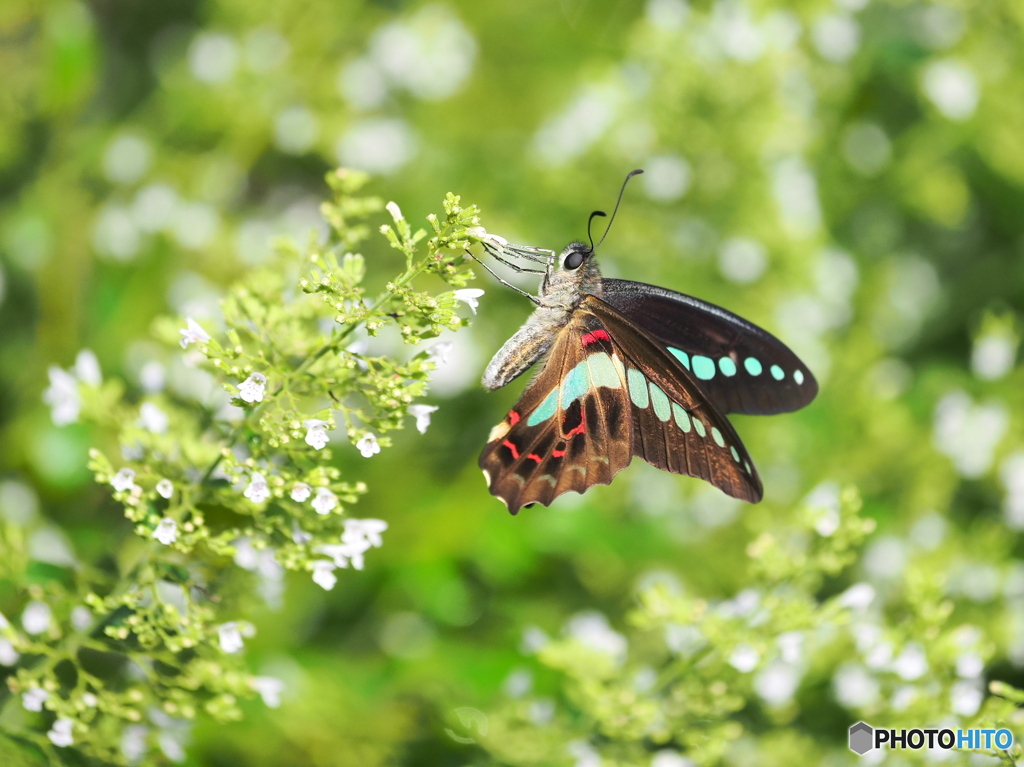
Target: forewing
741,367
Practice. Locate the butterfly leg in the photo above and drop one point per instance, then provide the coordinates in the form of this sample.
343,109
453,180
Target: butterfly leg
503,282
512,265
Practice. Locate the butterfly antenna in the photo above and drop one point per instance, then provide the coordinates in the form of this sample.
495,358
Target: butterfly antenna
591,221
611,221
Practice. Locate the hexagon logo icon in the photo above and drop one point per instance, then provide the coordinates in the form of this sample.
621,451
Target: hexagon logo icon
862,738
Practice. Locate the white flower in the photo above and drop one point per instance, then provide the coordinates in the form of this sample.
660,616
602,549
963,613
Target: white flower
252,388
133,742
36,617
230,635
469,297
744,658
269,688
858,597
394,210
152,418
299,535
257,491
345,553
479,233
33,698
193,333
62,397
60,735
368,445
438,353
422,415
364,529
90,700
325,501
301,492
323,574
87,368
8,655
316,433
123,480
166,531
165,488
81,618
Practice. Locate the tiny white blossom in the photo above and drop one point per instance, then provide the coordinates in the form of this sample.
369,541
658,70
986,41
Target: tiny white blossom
165,488
299,535
257,491
252,388
81,618
469,297
87,368
123,480
316,433
364,529
269,688
350,552
8,655
36,617
479,233
230,636
90,700
422,415
133,742
301,492
33,698
166,531
152,418
60,735
438,353
394,210
744,658
62,396
193,333
323,574
325,501
368,445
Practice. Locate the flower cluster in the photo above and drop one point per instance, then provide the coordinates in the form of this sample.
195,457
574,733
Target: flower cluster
270,455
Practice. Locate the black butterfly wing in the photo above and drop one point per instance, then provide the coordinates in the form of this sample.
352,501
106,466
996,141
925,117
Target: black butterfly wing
606,393
741,367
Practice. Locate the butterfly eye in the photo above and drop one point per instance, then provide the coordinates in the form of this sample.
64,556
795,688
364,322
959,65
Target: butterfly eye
573,260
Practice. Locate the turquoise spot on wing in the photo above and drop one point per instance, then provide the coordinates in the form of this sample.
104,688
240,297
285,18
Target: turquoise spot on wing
575,384
699,426
637,388
545,410
602,371
682,417
753,366
798,376
682,356
718,436
747,466
703,367
735,455
727,366
777,373
660,402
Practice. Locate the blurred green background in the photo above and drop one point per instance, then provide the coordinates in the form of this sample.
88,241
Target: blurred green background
848,174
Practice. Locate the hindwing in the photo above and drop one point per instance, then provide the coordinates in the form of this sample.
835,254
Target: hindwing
608,392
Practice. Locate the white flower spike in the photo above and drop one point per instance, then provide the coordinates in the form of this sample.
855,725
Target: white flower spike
252,388
469,297
166,531
422,415
368,445
258,491
316,433
193,333
325,501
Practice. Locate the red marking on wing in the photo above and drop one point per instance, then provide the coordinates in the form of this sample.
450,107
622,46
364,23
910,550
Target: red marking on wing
557,453
513,417
593,338
511,446
535,457
581,429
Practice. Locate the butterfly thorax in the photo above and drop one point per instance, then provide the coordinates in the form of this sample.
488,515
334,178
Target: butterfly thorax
561,291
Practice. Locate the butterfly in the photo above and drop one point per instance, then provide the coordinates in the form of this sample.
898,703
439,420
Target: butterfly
630,370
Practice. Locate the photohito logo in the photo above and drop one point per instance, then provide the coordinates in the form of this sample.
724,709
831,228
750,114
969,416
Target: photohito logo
864,738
